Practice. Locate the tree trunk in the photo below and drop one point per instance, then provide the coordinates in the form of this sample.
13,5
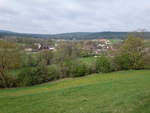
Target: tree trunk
2,77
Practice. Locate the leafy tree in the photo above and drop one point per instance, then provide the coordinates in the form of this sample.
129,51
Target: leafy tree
10,58
41,74
54,72
131,54
36,75
25,78
47,56
66,51
30,60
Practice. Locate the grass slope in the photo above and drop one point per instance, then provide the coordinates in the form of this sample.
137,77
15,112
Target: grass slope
118,92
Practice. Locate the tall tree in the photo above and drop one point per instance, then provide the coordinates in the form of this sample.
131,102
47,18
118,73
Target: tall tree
9,59
131,53
67,51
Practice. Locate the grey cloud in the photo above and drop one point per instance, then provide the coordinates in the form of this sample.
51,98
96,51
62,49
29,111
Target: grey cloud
57,16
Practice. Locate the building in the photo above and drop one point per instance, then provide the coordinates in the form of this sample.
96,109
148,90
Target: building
98,45
28,49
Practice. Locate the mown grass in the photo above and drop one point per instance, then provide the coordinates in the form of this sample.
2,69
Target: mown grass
117,92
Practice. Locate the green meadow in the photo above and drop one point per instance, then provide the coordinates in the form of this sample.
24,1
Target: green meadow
117,92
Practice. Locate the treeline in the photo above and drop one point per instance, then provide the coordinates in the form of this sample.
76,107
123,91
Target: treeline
65,62
75,35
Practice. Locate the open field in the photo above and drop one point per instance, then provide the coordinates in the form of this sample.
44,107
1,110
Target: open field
118,92
113,41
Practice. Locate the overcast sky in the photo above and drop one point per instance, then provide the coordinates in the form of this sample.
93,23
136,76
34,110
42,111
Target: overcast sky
59,16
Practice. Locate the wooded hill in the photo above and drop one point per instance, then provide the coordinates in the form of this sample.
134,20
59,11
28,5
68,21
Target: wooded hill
75,35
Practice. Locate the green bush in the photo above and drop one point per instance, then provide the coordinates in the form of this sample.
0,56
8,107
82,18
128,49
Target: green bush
79,69
122,62
25,78
64,68
91,68
54,72
9,82
103,64
32,76
72,68
47,56
30,60
41,74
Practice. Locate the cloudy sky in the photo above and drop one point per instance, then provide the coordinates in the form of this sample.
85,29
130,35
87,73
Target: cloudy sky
59,16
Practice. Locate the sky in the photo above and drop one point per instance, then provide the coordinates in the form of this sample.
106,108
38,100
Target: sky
61,16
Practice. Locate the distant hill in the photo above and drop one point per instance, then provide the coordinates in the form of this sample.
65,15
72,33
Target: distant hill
73,36
6,32
91,35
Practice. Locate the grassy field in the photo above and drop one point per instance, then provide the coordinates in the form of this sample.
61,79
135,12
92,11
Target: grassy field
118,92
113,41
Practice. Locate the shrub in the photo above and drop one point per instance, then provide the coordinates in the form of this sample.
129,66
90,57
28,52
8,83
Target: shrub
91,68
9,82
64,69
79,69
30,60
122,62
41,74
54,72
47,56
25,78
72,68
103,64
32,76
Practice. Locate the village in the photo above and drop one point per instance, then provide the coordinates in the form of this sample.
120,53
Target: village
96,46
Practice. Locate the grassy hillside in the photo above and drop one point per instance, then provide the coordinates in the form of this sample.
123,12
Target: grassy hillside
119,92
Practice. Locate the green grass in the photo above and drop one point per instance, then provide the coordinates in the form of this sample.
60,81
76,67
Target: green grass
118,92
115,40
